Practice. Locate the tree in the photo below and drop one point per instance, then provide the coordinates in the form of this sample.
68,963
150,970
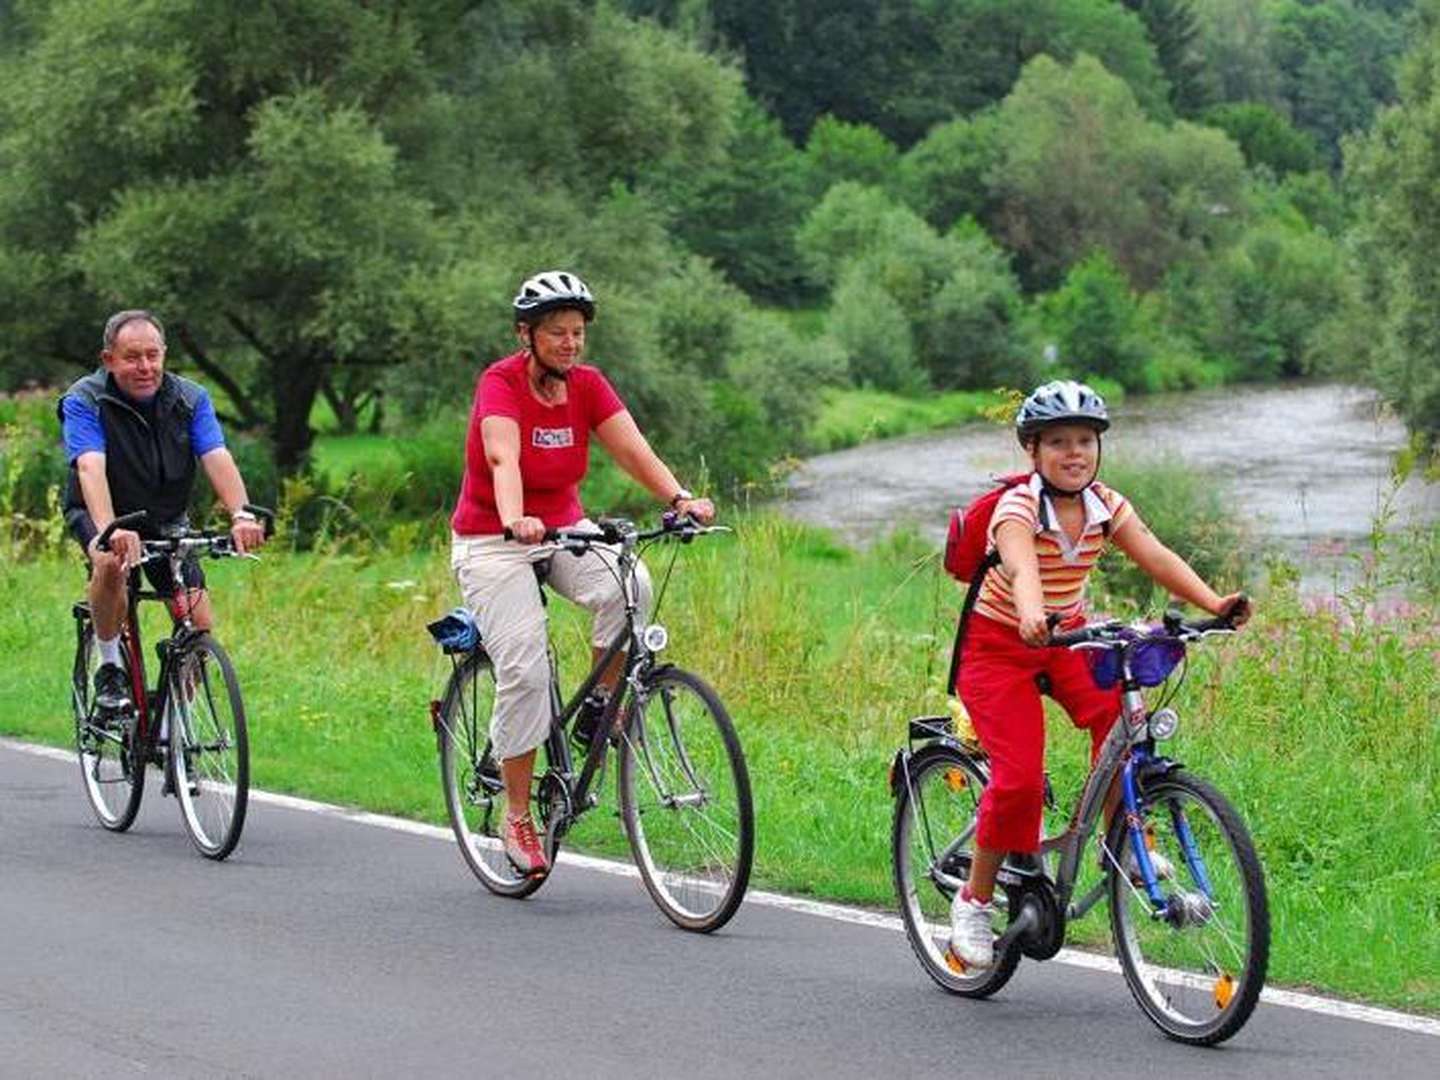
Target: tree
837,151
1398,228
270,228
1265,137
1175,33
743,213
1081,169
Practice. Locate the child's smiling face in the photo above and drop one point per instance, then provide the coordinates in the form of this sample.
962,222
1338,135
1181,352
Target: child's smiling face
1067,455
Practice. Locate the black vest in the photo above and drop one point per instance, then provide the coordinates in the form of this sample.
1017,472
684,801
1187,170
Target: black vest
149,462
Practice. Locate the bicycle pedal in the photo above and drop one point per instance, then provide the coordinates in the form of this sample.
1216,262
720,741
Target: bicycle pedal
954,963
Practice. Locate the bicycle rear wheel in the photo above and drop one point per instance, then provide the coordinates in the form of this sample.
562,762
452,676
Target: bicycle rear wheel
474,792
209,747
1197,969
685,801
931,841
114,776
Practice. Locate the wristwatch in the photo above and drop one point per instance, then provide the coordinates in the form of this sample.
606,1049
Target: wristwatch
680,496
242,515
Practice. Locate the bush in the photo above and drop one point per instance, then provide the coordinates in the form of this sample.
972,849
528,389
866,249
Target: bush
1188,511
1096,320
876,335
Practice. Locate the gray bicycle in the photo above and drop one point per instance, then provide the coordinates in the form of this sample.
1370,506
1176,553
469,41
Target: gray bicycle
684,790
1188,909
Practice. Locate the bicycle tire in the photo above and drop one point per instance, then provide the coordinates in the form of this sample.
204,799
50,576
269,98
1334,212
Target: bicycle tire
685,800
209,756
935,813
474,797
1196,986
112,772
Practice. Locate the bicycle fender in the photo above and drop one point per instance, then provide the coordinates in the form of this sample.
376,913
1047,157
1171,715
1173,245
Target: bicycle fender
899,774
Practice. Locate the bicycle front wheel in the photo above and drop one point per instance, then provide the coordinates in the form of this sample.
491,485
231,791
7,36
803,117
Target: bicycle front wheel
1197,967
474,792
209,747
105,743
931,842
685,801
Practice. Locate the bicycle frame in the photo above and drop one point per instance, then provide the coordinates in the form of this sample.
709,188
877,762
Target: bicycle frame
1127,753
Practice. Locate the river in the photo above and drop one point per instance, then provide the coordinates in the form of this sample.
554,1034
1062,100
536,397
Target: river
1308,465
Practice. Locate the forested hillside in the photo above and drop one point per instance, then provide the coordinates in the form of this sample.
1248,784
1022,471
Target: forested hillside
334,199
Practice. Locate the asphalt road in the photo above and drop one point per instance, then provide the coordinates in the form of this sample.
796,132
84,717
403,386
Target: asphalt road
327,947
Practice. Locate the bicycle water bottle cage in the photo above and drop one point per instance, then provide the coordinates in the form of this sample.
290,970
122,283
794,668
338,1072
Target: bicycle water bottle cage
456,631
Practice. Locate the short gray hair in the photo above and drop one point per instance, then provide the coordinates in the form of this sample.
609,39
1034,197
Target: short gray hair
121,319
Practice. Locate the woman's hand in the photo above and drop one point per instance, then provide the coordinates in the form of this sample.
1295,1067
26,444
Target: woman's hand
702,510
527,530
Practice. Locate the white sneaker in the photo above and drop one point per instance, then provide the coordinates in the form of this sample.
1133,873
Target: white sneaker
972,937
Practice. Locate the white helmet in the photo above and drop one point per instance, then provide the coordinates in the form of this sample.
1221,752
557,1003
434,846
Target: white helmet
552,290
1063,401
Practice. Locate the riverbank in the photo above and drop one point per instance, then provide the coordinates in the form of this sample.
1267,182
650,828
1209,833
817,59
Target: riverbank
1315,722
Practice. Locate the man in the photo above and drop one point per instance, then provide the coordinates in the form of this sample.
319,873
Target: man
133,433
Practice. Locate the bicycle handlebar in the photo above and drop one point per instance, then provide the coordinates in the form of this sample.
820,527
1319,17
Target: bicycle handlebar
217,544
1110,633
683,527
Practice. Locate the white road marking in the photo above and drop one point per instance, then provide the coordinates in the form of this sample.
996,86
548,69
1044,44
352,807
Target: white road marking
1290,999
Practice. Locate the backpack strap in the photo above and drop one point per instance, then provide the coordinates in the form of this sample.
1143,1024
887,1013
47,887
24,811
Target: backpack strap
992,558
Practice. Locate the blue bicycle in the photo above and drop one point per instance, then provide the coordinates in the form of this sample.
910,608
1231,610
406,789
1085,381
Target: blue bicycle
1188,910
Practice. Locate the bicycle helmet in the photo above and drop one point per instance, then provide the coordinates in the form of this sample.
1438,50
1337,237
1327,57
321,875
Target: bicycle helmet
552,290
1060,402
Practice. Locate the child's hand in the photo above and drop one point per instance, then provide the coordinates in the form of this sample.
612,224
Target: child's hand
1236,608
1034,628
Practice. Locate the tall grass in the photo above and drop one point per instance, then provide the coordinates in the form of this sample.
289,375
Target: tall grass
1318,721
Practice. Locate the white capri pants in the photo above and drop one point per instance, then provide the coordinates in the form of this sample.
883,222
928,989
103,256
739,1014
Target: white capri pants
498,584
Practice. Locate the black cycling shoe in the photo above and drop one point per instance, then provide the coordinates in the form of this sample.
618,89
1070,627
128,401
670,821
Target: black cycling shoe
112,689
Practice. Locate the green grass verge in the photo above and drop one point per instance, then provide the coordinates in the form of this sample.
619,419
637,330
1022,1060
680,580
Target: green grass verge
850,417
1320,728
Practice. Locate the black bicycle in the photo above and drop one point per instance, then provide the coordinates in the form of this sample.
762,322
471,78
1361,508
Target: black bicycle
191,722
684,791
1188,908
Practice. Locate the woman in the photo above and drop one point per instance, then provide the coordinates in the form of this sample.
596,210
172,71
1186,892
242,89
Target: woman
526,453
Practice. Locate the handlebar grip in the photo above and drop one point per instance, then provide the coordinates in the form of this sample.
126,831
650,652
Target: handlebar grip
551,535
1066,638
122,522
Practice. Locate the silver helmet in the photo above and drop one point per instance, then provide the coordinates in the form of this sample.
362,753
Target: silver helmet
1063,401
551,290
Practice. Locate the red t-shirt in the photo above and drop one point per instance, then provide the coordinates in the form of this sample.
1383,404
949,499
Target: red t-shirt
554,445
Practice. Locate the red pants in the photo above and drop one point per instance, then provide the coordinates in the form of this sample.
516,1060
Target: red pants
997,685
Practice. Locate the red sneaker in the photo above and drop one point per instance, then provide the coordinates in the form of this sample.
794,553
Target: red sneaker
522,847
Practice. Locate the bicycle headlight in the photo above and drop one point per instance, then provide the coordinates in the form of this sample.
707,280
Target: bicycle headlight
656,637
1163,723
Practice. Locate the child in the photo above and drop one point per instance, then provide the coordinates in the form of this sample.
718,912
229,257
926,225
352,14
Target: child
1048,531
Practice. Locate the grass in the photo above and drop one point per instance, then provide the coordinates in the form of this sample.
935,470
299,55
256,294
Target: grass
1318,723
850,417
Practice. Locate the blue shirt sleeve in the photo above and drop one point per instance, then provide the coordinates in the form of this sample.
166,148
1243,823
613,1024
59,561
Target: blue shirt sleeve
80,427
205,433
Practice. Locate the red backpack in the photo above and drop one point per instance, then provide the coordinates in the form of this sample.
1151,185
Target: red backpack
968,537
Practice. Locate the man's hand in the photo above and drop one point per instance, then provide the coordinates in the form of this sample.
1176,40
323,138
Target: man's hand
247,533
124,548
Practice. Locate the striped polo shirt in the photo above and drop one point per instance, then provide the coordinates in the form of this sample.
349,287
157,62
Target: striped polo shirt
1064,563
